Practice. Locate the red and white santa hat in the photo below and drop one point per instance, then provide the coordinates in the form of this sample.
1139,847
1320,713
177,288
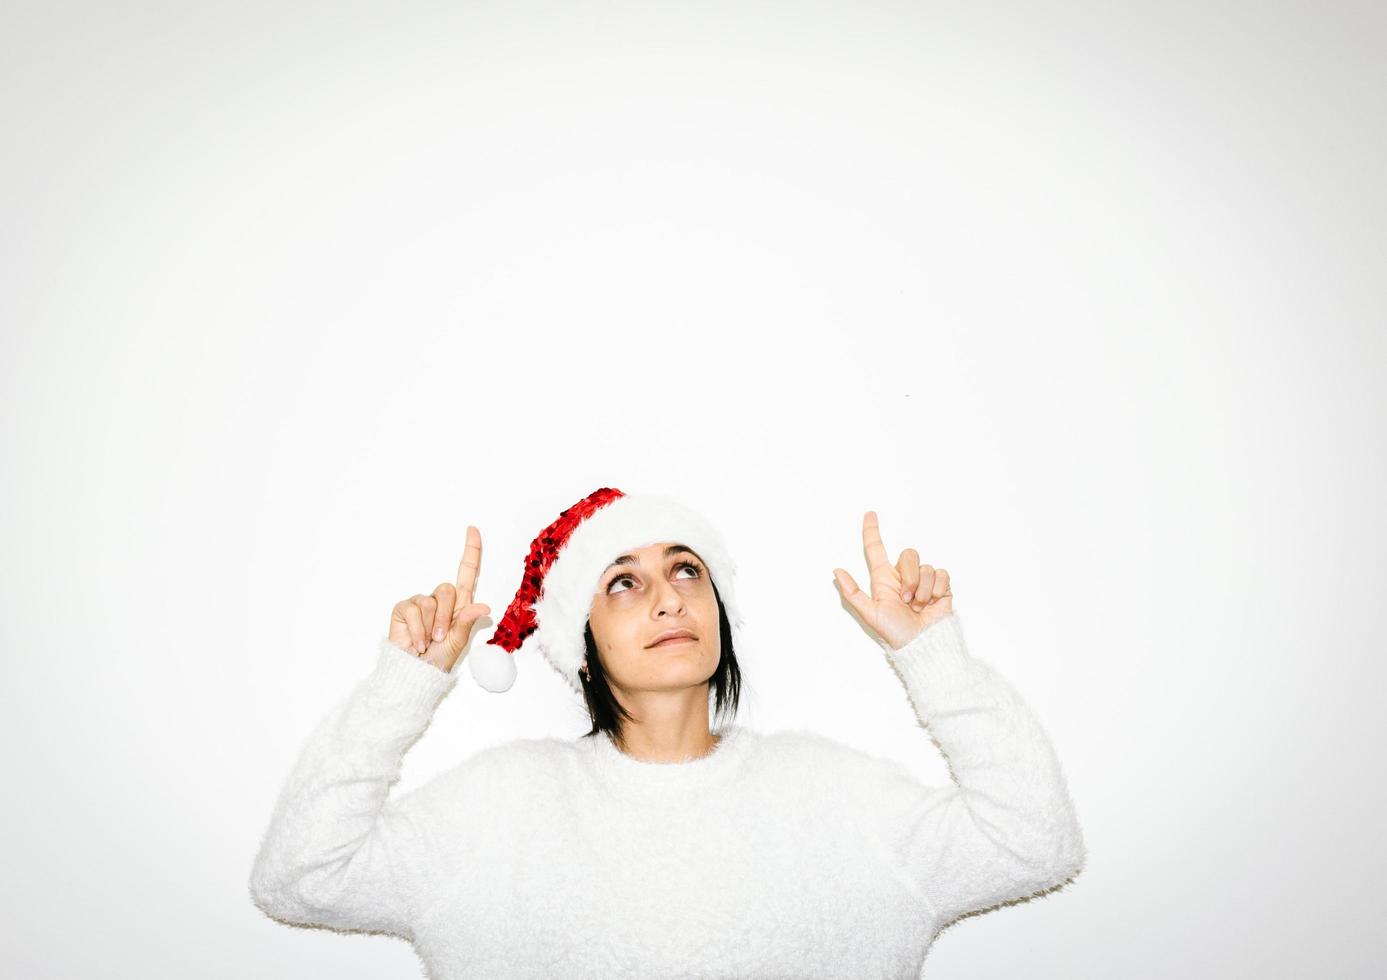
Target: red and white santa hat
565,566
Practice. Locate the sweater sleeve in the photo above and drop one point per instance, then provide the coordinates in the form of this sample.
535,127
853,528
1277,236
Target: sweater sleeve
337,851
1005,828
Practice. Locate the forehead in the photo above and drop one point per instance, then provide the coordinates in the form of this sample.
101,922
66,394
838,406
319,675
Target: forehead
656,551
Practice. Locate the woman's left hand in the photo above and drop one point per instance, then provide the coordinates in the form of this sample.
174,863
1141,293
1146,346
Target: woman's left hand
906,597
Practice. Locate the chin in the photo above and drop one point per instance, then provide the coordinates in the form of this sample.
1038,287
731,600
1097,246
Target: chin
694,667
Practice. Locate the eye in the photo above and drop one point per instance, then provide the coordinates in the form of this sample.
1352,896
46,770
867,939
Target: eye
697,570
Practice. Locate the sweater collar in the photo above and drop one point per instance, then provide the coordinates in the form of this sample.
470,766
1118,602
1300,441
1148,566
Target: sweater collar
623,771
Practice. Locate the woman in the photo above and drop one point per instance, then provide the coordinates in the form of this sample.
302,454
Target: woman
657,846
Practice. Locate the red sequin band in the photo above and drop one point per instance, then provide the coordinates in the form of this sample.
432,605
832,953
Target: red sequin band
519,620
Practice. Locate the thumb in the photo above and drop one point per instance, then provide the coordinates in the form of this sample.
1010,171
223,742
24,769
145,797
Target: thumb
463,621
858,599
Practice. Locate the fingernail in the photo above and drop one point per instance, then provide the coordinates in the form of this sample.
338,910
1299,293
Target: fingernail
907,596
438,633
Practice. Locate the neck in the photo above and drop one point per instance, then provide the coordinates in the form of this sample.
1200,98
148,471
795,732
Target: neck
657,751
669,732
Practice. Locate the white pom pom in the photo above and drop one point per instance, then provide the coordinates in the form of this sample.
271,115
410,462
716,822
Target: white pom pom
493,667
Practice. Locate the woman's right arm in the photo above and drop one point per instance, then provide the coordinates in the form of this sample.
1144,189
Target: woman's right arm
338,851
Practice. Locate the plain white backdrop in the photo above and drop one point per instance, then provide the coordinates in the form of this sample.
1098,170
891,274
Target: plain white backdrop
1086,301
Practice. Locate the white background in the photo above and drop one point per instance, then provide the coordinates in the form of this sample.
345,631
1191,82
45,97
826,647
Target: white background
1085,300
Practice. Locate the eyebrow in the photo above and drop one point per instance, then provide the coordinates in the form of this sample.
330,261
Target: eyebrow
673,549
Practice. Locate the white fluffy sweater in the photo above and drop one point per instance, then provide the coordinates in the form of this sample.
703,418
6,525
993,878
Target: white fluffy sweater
781,854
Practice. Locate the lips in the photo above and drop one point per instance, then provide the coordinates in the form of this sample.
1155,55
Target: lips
671,637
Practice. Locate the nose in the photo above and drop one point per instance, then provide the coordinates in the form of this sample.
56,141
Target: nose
667,598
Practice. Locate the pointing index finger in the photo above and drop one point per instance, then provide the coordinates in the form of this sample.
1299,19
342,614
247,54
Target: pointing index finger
469,566
872,544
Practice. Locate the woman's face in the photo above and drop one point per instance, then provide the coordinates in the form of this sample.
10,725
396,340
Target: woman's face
645,593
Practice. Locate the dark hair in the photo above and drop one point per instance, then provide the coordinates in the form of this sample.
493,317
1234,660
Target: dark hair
608,715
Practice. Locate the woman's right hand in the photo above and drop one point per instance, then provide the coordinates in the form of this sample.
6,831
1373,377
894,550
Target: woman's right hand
437,627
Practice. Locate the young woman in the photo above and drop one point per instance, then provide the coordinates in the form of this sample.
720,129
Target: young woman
658,845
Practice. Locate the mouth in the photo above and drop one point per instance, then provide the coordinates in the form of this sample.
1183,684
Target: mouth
676,636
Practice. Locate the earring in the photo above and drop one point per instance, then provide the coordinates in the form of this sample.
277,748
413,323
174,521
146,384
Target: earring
584,671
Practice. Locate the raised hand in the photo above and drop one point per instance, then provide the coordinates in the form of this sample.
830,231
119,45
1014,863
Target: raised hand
437,626
906,597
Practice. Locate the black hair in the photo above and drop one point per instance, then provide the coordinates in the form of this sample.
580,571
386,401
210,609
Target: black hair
608,715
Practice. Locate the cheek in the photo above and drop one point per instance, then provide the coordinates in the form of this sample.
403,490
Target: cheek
621,630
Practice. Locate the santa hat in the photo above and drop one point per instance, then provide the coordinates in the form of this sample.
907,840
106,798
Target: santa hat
564,569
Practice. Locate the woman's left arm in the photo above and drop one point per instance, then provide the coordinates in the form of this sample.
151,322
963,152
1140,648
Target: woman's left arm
1006,828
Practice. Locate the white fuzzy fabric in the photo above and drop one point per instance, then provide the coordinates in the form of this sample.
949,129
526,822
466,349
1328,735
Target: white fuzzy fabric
492,667
627,523
779,855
